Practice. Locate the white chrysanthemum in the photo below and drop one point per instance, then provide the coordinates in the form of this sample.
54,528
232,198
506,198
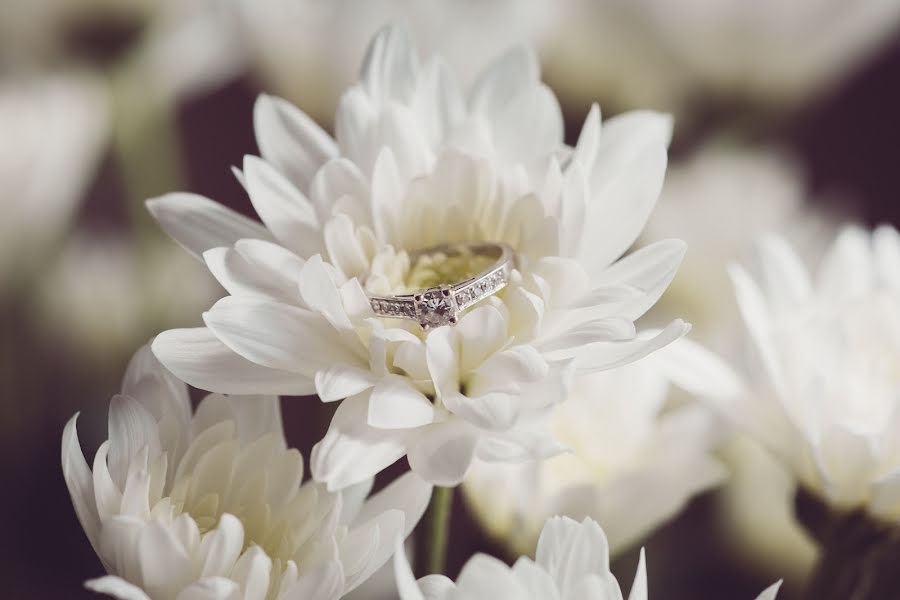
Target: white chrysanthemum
669,55
105,294
634,457
53,125
209,506
414,164
827,401
571,563
308,51
745,193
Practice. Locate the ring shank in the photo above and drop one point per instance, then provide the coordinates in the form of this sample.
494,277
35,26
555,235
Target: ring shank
464,293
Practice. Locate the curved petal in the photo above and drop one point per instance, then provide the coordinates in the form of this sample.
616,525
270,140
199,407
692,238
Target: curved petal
290,140
80,482
352,450
442,453
199,358
116,587
198,223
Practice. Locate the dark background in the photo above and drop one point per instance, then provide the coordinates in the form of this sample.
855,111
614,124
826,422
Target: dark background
847,140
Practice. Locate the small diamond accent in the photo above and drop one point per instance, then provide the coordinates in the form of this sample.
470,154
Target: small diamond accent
434,309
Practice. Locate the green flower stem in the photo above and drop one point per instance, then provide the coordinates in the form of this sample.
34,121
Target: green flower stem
435,530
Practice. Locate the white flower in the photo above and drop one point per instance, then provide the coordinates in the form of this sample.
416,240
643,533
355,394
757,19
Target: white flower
827,397
105,294
634,459
210,506
745,193
53,133
309,51
669,55
571,563
179,47
415,164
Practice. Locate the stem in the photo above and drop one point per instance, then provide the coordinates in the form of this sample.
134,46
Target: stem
858,555
435,530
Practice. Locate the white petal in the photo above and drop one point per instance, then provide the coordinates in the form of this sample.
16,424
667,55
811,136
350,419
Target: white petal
435,587
131,429
588,139
608,355
390,66
351,450
252,572
339,382
770,592
406,581
197,357
116,587
198,223
567,344
290,140
484,576
625,183
221,547
396,404
535,579
482,331
508,76
408,493
846,270
282,207
639,586
442,453
325,582
277,265
540,109
757,319
369,546
697,370
787,280
165,565
240,277
253,416
570,552
340,187
211,588
321,294
441,357
80,482
649,269
886,245
278,336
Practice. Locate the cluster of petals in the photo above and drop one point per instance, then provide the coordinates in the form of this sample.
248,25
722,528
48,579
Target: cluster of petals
414,163
635,455
210,506
571,563
827,350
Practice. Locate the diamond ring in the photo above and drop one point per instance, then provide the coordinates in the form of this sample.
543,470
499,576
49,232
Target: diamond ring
441,305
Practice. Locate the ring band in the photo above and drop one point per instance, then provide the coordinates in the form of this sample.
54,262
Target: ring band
441,305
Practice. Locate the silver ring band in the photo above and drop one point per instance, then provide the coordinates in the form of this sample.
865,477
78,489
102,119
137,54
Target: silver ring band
442,305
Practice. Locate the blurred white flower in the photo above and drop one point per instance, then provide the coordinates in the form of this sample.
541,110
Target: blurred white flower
665,54
210,505
54,129
106,293
179,47
635,458
571,563
826,396
308,51
744,193
416,164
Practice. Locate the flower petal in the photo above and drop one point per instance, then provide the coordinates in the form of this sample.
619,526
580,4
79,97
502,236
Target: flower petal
396,404
116,587
442,453
198,223
290,140
352,450
79,480
197,357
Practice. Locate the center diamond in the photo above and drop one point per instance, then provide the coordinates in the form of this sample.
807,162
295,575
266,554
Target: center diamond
435,308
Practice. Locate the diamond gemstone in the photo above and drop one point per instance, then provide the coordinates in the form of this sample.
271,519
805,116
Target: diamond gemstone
435,310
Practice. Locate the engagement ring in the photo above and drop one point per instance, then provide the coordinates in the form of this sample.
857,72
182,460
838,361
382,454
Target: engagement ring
441,305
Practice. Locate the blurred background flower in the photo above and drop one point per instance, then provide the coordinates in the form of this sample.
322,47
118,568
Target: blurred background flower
784,122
